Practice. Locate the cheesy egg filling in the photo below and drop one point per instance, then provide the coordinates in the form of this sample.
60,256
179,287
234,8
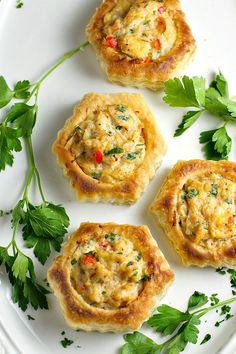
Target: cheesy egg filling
206,209
109,144
108,271
140,29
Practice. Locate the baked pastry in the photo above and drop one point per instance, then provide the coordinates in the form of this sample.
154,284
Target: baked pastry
109,277
110,147
141,43
196,208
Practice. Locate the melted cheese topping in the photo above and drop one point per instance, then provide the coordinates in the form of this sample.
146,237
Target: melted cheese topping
108,271
109,144
142,29
206,209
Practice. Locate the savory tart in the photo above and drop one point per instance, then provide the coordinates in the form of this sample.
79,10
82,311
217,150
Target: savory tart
196,208
109,277
110,147
141,43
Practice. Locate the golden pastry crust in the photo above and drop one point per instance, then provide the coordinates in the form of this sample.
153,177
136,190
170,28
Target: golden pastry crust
196,209
109,277
141,43
110,148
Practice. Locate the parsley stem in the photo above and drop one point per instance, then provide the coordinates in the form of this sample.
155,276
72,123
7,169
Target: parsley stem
33,171
203,311
64,58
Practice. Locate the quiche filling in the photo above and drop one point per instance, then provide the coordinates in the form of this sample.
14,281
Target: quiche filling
109,144
108,271
142,29
207,209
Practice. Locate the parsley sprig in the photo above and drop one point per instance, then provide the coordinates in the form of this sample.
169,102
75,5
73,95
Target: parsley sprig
192,92
183,326
44,225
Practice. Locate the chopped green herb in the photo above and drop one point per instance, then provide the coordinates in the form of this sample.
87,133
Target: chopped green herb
19,4
138,257
66,342
221,271
144,34
112,237
95,175
131,30
135,274
145,23
218,323
206,338
225,309
154,12
192,193
30,318
123,117
104,293
214,190
145,278
214,299
129,264
132,155
229,201
114,151
232,273
85,244
74,261
121,108
63,333
119,127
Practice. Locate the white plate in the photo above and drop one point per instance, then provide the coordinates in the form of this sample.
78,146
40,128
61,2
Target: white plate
31,39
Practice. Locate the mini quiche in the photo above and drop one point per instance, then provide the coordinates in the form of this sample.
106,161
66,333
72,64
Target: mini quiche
196,207
110,147
109,277
141,43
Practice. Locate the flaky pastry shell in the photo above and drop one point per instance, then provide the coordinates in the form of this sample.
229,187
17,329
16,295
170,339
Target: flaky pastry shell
196,209
109,277
102,124
141,43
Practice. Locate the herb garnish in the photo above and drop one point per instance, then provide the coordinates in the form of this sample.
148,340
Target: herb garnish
192,92
30,318
214,190
19,4
111,236
44,225
206,338
192,193
170,321
66,342
114,151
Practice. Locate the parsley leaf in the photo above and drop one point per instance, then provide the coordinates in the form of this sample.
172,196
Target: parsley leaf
114,151
21,89
188,120
6,94
217,144
20,267
191,92
197,300
167,319
9,142
186,93
138,343
220,84
44,228
23,118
